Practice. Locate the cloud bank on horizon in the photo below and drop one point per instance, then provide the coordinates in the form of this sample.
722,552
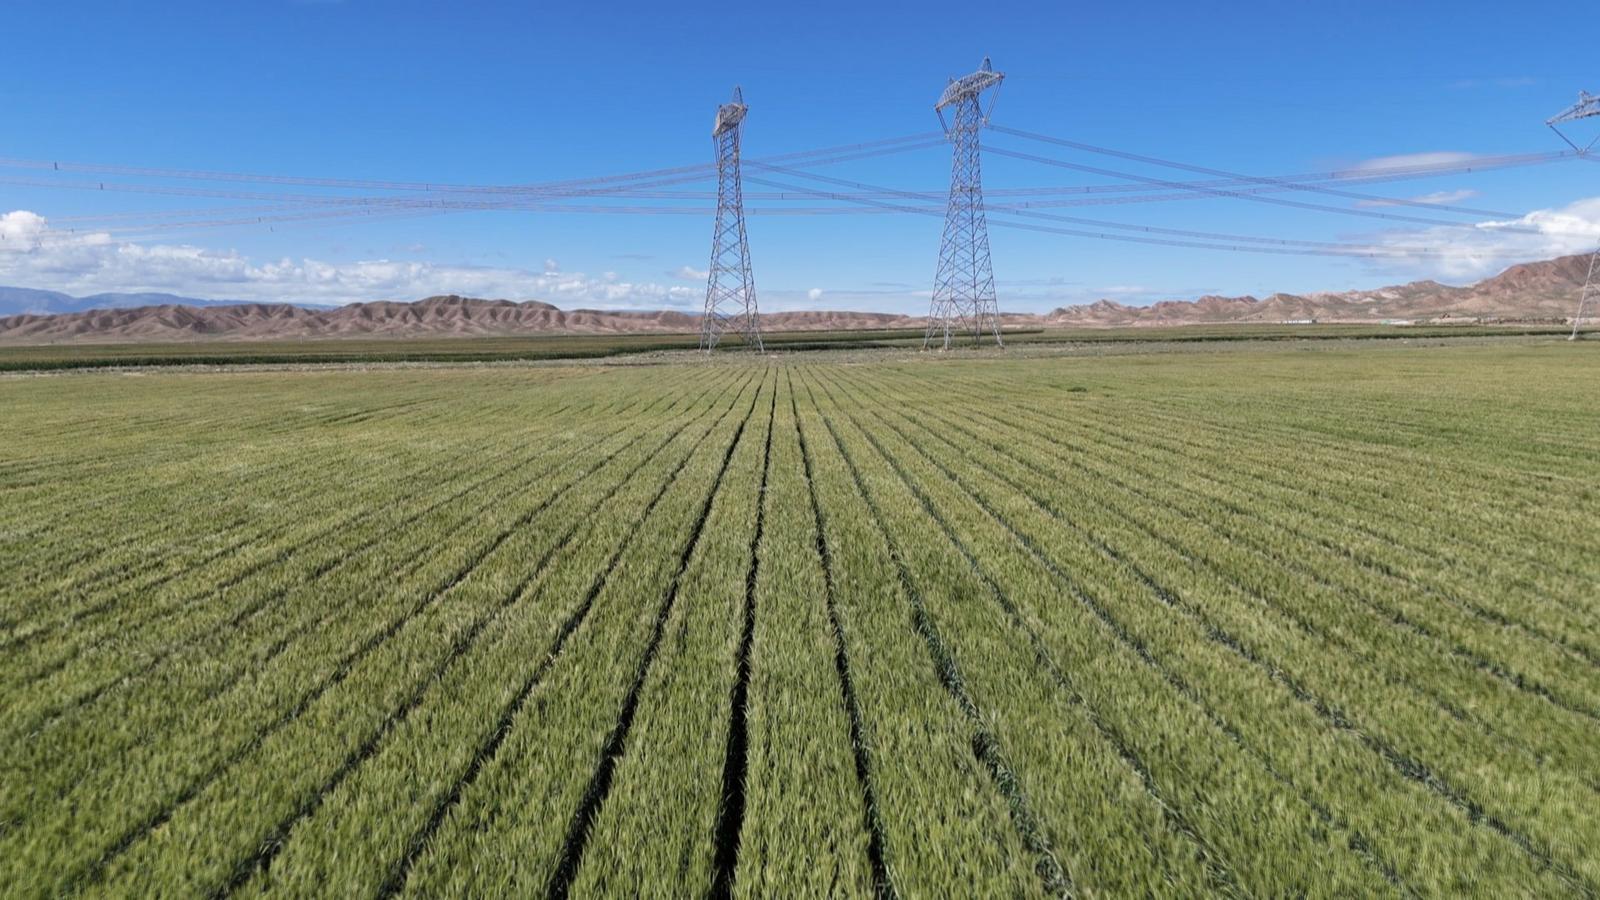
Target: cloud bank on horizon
35,255
1494,244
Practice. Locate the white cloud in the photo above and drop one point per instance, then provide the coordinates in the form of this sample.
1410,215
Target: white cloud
20,230
552,266
1443,198
32,255
690,273
814,294
1408,160
1492,245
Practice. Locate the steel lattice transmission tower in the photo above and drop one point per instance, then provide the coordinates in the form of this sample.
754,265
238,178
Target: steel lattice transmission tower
963,287
730,288
1587,106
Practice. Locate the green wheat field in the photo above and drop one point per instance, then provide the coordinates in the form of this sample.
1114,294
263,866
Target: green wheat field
1266,621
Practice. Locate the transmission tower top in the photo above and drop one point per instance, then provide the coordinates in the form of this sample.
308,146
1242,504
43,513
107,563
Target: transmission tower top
730,114
1588,106
968,87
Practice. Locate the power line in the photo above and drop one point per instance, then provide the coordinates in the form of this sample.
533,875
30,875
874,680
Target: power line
1277,201
1099,223
1214,242
705,169
1205,170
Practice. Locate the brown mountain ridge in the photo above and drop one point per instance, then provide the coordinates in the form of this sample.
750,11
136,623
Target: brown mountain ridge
1544,290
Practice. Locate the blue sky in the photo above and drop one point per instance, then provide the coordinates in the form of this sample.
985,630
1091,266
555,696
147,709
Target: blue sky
492,93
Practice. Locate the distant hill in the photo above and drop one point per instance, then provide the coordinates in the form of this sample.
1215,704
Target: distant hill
1529,292
19,301
434,317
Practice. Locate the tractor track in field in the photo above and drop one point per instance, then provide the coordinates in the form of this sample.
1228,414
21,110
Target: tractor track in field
277,836
96,870
985,746
345,557
400,872
1405,765
599,786
1358,843
250,610
736,758
1392,617
877,842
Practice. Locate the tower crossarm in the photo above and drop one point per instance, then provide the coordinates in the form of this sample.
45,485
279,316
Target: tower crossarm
730,114
966,86
1588,105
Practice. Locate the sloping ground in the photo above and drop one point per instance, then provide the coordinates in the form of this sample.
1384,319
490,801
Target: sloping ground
1540,290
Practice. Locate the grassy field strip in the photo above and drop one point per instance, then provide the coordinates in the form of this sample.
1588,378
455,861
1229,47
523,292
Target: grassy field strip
49,562
226,477
1385,399
931,787
1383,619
263,627
536,783
1500,479
1478,375
1465,579
379,520
175,547
127,479
1413,666
1149,631
1458,449
1458,512
1364,466
1465,548
1488,493
117,723
1040,616
1297,540
1566,677
352,658
671,821
431,734
811,822
230,469
1187,804
189,773
143,567
990,725
1555,630
1394,420
220,828
249,588
1404,763
591,805
1307,620
133,445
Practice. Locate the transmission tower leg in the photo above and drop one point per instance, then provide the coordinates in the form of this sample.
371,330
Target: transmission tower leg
730,285
1583,298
